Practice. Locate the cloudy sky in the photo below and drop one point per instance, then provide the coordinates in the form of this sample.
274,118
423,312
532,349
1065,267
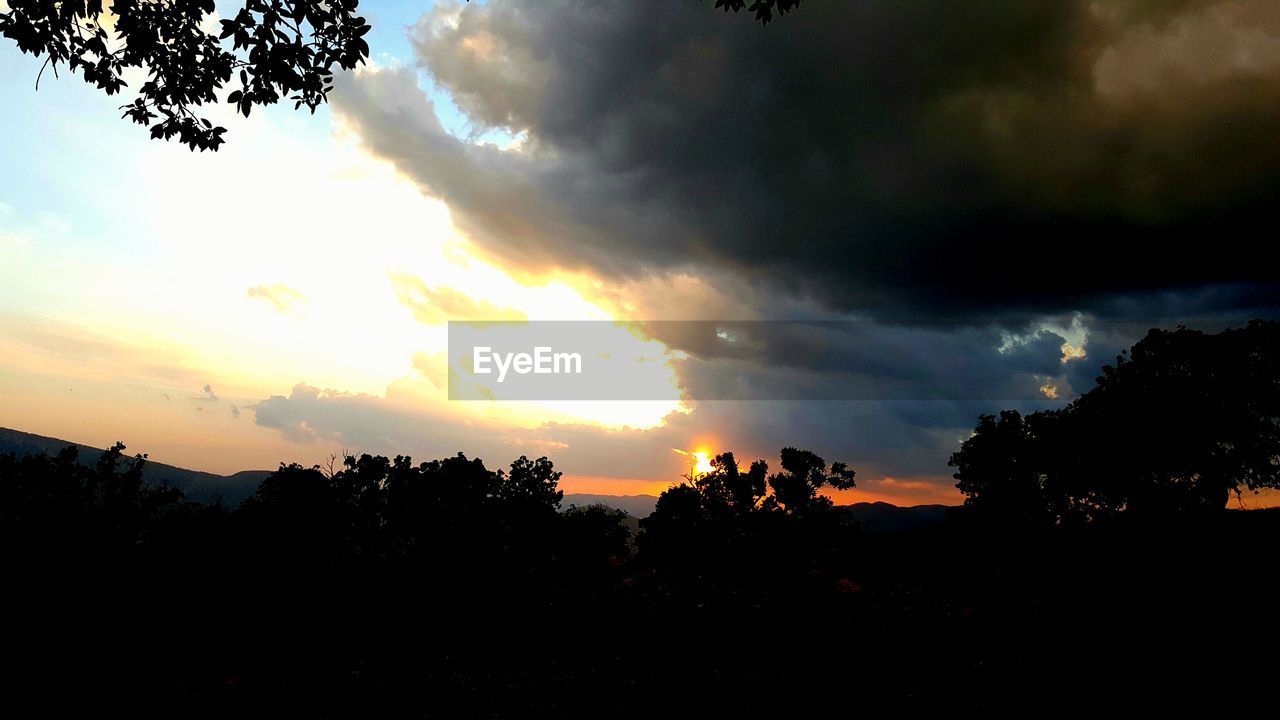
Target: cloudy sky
991,198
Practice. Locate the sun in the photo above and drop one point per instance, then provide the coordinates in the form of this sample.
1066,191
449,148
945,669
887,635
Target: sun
701,462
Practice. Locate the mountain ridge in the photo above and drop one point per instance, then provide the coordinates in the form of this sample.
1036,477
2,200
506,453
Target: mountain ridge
197,485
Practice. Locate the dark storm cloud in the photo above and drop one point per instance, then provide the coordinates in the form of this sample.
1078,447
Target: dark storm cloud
837,360
961,173
935,157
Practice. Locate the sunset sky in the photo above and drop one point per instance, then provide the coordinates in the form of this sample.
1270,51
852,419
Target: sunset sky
1004,195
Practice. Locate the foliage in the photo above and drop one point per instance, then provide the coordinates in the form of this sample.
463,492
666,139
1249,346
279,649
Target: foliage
715,529
1178,424
726,491
378,587
279,50
762,9
385,588
795,489
999,468
82,510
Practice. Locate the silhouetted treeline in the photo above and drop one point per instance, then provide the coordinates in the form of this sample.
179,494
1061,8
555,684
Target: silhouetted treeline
1181,423
384,588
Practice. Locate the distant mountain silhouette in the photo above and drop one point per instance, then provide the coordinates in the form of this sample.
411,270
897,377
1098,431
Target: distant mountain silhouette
196,485
882,517
637,506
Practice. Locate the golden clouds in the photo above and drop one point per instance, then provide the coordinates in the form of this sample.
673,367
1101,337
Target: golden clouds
282,297
440,304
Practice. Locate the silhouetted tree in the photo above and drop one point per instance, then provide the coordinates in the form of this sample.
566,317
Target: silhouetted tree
531,481
762,9
595,538
378,587
1179,423
804,473
48,503
703,526
279,50
677,520
727,489
1186,419
1000,468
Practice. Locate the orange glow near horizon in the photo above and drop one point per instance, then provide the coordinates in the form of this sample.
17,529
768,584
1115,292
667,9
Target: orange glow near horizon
897,491
1265,498
601,485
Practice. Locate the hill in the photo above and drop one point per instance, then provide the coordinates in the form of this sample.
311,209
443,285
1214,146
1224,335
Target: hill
196,485
882,517
637,506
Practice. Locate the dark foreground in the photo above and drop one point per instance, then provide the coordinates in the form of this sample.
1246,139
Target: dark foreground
442,590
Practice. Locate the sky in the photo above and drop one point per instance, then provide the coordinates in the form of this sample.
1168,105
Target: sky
999,197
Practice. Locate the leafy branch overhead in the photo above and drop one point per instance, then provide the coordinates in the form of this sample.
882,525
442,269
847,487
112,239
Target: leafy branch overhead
763,10
279,50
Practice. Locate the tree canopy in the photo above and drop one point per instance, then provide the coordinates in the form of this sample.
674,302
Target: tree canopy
381,587
1180,422
278,50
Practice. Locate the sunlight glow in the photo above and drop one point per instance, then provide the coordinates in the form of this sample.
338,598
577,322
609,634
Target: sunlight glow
412,273
702,462
699,461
